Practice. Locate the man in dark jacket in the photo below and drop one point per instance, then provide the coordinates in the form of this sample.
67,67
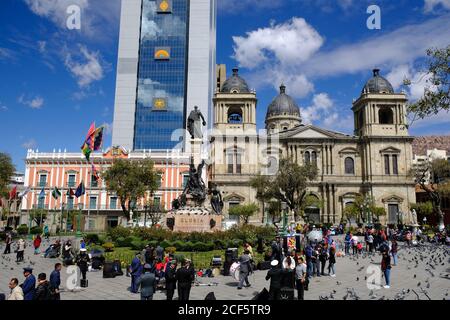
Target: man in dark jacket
55,282
245,269
159,252
184,277
136,271
171,280
82,262
29,285
8,242
43,289
148,283
275,276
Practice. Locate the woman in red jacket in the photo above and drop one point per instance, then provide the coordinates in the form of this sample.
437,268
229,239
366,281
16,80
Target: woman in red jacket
37,244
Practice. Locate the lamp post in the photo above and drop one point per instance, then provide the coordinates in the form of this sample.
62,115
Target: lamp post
285,218
145,215
80,207
61,219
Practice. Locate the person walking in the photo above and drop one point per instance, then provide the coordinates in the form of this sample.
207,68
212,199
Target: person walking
332,262
274,275
288,279
300,277
55,282
245,269
46,232
184,278
37,244
82,261
21,245
135,271
42,291
370,242
394,250
29,285
323,257
347,241
8,241
67,254
159,252
171,279
308,254
147,282
16,290
386,268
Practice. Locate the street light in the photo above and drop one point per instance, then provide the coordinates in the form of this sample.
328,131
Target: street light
80,207
145,215
285,218
61,218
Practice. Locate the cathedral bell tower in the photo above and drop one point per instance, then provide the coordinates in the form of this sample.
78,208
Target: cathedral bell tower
379,111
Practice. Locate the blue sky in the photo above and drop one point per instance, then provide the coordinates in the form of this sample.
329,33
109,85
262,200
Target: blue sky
56,81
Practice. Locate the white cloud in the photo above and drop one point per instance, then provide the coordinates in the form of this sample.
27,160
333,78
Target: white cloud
30,144
86,68
401,46
291,42
35,103
42,46
5,53
431,4
398,75
148,90
3,107
321,106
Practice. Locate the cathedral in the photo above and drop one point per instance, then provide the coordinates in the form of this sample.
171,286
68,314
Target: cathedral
373,162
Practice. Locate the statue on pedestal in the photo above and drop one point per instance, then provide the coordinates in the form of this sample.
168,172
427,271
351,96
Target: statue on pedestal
195,187
414,217
195,122
216,200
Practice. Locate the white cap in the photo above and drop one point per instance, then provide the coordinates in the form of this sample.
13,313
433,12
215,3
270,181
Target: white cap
274,263
83,249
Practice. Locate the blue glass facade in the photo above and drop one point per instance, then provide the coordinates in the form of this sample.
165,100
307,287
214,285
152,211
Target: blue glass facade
162,75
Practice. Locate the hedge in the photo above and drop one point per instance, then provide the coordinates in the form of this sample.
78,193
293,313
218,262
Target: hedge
36,230
22,229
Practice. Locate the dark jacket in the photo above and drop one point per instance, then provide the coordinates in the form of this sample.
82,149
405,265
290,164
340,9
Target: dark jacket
55,280
275,276
184,277
159,252
332,258
287,278
245,265
28,287
136,267
42,291
386,262
171,279
82,261
148,284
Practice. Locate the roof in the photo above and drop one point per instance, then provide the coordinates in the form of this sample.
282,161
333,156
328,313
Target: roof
235,84
378,84
283,104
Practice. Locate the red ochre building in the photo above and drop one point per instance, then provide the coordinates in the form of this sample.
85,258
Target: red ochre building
100,208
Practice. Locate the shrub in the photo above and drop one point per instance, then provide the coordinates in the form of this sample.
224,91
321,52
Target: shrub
200,247
166,243
179,258
36,230
209,246
108,246
92,237
188,246
171,250
119,231
220,244
22,229
137,244
179,245
152,243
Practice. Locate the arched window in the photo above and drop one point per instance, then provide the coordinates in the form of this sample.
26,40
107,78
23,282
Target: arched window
235,115
307,157
314,158
349,165
386,116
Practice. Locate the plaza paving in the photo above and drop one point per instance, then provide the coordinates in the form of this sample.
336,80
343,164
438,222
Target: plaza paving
429,278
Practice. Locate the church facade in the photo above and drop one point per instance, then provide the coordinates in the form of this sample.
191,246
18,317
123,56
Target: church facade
373,162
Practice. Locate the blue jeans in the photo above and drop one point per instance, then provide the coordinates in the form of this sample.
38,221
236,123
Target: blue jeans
394,257
331,268
387,276
134,285
309,268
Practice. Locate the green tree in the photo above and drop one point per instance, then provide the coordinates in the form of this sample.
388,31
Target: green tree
130,180
291,182
7,170
437,186
264,193
436,96
244,211
274,211
309,201
423,208
155,212
351,211
38,215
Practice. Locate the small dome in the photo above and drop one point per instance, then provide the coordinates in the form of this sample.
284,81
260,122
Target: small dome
378,84
283,105
235,84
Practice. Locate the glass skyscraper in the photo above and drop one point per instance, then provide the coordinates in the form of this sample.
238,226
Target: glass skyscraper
166,66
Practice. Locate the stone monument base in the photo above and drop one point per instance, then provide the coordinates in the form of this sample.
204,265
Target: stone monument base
195,219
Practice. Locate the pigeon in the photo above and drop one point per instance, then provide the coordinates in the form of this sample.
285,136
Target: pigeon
415,276
357,278
418,284
338,283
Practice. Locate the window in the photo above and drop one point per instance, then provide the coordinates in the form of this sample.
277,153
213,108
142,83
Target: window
233,218
93,203
41,203
314,158
42,180
230,163
70,203
113,203
156,202
387,169
238,163
71,181
307,157
185,180
94,182
386,116
349,165
394,164
159,180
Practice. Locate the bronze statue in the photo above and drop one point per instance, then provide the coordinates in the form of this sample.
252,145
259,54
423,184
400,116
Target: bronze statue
194,125
216,200
195,187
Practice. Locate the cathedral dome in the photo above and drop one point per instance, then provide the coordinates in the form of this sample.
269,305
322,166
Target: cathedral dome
378,84
235,84
283,105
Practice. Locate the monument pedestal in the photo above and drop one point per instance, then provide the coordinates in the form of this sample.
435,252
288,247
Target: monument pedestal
195,219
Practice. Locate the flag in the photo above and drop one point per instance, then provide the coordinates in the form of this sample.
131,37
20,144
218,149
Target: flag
56,193
90,136
86,151
80,190
24,192
13,193
95,173
70,193
98,138
42,194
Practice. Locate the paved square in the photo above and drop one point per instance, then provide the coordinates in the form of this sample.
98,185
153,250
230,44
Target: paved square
422,273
